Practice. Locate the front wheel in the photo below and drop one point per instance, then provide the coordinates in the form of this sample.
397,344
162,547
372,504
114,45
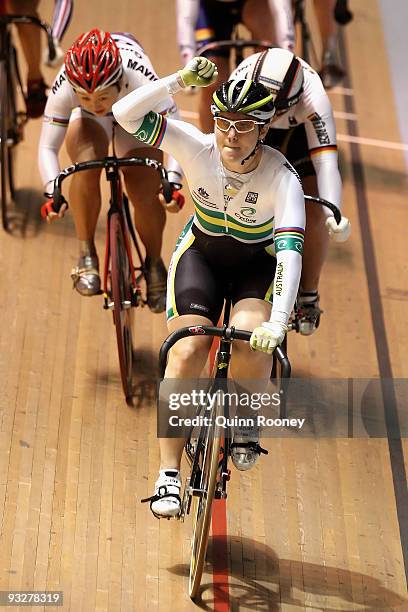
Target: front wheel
121,287
208,460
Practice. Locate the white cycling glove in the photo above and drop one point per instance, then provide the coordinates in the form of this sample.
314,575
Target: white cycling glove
199,72
340,232
268,336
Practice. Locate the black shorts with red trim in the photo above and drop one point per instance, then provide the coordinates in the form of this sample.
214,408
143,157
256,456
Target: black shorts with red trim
292,143
211,267
215,22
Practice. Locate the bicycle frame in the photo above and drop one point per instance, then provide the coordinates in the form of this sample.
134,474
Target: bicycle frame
208,457
111,165
121,285
227,335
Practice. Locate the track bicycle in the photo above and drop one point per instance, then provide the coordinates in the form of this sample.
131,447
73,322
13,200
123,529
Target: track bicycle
236,46
12,120
208,449
122,279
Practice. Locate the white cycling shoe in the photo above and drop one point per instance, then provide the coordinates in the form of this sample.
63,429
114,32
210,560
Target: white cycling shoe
245,449
308,302
166,502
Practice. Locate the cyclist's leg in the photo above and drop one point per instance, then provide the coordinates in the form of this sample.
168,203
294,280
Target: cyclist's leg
86,139
142,186
316,239
330,71
30,39
270,20
192,290
247,314
250,371
252,290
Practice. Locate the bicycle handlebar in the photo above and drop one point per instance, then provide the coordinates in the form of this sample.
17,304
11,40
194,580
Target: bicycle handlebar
235,44
227,333
113,162
336,212
6,19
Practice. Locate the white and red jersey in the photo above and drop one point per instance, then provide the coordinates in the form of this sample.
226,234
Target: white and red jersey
62,100
314,110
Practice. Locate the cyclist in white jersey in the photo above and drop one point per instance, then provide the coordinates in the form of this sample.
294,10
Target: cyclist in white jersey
99,69
249,205
202,21
304,130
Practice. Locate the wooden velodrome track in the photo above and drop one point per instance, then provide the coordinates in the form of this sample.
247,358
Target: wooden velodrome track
318,524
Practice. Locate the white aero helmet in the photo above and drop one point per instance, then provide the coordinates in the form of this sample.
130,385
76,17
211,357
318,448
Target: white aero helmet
279,70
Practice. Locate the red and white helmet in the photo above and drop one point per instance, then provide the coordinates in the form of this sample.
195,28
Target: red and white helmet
93,62
279,70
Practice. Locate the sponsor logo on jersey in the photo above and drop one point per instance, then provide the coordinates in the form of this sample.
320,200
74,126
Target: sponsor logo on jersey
278,279
320,129
247,211
251,198
203,192
246,219
58,82
149,74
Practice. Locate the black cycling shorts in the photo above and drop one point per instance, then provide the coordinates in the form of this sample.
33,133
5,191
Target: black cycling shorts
216,21
204,269
292,143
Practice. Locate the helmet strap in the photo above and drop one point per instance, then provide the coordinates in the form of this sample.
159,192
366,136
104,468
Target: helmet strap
254,150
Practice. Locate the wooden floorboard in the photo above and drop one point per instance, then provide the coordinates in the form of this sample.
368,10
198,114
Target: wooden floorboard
315,525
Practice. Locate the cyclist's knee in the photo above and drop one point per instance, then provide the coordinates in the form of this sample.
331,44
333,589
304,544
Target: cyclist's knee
188,357
86,140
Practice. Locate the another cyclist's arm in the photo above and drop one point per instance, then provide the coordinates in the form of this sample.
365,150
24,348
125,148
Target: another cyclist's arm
281,11
321,137
187,15
55,123
61,18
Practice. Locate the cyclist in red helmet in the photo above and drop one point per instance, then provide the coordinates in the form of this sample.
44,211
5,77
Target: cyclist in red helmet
100,68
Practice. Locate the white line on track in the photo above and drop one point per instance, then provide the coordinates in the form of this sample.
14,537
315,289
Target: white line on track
371,142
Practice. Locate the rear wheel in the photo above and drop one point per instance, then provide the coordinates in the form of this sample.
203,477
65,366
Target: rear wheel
208,460
5,152
121,287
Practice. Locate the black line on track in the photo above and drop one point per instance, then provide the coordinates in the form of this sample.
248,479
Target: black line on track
377,315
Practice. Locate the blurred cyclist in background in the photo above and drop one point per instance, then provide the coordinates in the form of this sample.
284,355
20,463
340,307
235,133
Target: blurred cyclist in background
100,68
303,129
329,13
30,39
203,21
